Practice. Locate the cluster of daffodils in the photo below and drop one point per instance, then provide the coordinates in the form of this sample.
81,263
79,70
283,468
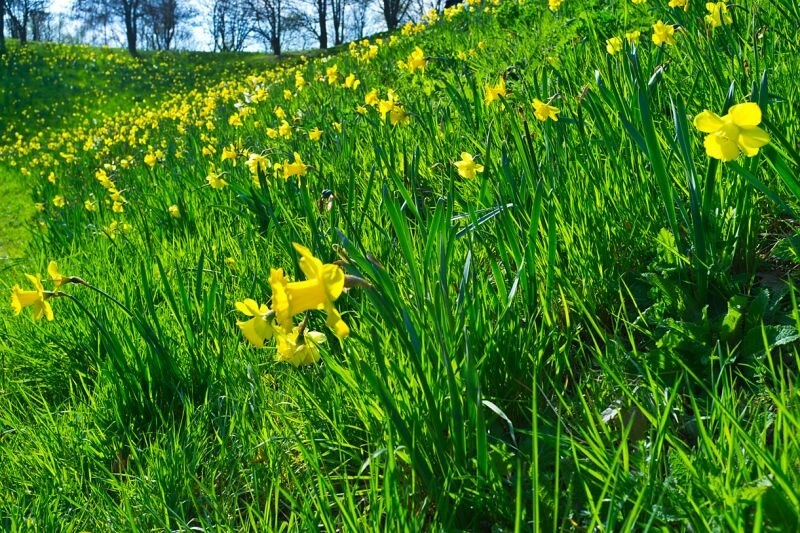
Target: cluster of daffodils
38,299
323,285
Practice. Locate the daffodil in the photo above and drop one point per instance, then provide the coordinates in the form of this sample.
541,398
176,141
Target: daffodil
315,134
351,82
679,3
613,45
372,97
59,201
229,152
416,61
734,133
259,328
494,92
174,211
633,36
285,130
323,285
256,162
296,168
332,74
150,160
36,299
216,181
718,14
554,4
543,111
467,168
663,33
299,349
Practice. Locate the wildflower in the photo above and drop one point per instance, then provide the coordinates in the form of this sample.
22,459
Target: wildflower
372,97
351,82
543,111
215,180
663,33
467,167
637,2
59,201
118,207
298,348
332,74
235,120
323,285
150,159
338,127
260,327
416,60
36,299
315,134
52,178
272,133
229,153
613,45
174,211
257,162
39,206
717,14
633,36
495,92
734,133
56,277
554,4
90,206
297,168
679,3
285,130
361,110
287,94
398,115
299,81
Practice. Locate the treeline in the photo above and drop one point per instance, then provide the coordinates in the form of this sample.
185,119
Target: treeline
233,24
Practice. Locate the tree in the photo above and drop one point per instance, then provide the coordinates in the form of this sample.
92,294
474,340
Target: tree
271,23
338,8
394,11
162,21
24,17
359,10
2,27
98,13
317,21
230,24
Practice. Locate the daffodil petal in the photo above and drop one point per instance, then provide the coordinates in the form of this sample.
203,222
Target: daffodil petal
745,115
708,122
751,139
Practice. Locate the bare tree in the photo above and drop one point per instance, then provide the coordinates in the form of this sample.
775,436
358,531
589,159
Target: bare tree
25,17
99,13
358,15
270,23
394,11
2,27
162,21
230,24
338,9
315,20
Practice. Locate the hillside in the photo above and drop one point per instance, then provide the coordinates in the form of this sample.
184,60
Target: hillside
518,266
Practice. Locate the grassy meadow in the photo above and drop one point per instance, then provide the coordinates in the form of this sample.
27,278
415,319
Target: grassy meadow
522,265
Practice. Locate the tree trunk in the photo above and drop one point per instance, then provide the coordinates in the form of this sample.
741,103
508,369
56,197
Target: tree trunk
2,27
322,11
130,26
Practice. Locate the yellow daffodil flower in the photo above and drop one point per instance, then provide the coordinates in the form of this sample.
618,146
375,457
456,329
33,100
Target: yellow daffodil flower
718,14
36,299
258,329
734,133
299,349
543,111
679,3
315,134
174,211
494,92
613,45
633,36
663,33
323,285
296,168
467,168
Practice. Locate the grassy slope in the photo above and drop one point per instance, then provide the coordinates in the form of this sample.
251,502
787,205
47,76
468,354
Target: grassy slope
538,349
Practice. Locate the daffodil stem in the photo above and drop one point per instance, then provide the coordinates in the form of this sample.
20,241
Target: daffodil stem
105,294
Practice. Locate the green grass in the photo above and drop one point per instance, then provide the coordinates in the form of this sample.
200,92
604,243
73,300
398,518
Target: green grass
598,331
